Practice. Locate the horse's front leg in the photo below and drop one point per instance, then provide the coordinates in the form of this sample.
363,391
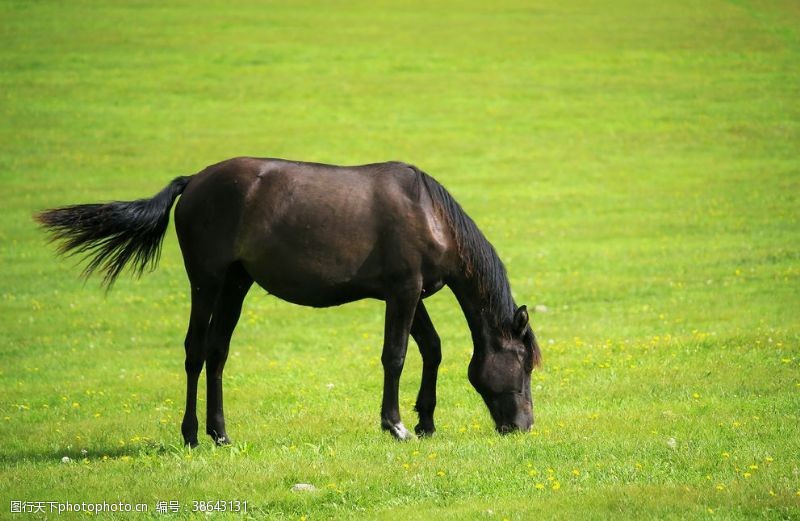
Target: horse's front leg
430,348
399,315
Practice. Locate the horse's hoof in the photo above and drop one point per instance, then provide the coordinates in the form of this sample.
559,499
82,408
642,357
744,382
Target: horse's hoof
219,439
398,431
191,443
423,431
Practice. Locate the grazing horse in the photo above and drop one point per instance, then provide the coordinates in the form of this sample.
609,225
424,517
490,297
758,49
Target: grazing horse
321,235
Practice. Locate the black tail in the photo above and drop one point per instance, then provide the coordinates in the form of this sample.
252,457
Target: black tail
114,234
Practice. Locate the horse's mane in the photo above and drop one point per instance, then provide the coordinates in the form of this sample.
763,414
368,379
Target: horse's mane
478,256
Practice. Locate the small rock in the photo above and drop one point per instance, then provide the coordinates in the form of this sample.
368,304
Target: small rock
303,487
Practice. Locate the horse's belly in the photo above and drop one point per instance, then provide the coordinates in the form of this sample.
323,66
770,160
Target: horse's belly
322,297
316,277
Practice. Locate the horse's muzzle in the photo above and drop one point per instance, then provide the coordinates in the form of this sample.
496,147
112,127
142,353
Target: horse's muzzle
522,426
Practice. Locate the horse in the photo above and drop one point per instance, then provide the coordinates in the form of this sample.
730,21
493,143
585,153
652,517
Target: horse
320,235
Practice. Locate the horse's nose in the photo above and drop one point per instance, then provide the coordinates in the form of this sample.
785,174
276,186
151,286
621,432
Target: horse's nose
523,425
506,429
523,421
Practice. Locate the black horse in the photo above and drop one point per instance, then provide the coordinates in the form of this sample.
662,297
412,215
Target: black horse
321,235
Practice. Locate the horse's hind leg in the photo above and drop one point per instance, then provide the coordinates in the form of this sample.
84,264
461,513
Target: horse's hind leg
430,348
226,313
203,298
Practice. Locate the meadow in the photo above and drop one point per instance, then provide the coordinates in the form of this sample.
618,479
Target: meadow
635,164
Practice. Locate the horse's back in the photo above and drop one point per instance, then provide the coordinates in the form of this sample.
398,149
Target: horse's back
310,233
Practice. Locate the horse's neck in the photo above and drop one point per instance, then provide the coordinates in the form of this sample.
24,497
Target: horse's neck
475,306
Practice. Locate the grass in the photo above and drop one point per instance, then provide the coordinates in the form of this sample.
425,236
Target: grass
635,164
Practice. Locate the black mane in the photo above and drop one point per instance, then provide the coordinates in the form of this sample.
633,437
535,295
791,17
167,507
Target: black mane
479,258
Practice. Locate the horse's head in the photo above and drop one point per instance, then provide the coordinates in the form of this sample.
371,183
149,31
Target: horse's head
501,373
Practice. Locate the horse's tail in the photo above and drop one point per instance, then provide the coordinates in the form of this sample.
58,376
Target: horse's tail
112,235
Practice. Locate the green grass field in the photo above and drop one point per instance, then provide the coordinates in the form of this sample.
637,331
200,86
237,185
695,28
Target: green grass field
636,165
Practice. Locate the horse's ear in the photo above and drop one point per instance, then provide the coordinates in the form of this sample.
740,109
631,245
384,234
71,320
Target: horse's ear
520,320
